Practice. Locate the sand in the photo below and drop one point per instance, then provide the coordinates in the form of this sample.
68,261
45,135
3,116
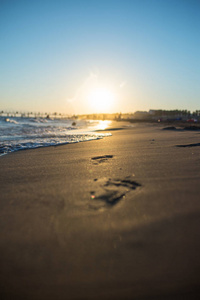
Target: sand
117,218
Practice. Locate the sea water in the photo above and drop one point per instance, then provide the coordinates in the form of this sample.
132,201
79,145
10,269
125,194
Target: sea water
17,133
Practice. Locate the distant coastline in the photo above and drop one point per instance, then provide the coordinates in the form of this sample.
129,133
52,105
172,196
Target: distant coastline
139,116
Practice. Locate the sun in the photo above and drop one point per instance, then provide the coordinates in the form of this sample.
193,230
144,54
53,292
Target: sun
101,100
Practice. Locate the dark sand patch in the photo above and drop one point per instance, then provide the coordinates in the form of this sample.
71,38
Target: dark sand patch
181,127
169,128
193,127
189,145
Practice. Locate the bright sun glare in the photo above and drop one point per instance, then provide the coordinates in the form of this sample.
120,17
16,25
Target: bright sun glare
101,100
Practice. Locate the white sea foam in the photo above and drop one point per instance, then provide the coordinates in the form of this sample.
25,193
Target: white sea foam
28,133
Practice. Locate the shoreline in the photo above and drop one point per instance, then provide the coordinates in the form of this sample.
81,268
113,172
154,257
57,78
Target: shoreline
109,125
116,218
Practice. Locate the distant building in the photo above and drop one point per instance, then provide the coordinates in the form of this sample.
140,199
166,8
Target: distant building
141,115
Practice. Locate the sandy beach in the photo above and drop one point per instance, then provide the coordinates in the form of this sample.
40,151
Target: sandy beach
116,218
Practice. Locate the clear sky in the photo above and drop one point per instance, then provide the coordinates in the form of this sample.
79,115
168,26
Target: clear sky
85,56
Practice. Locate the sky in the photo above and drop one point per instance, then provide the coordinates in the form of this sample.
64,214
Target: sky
93,56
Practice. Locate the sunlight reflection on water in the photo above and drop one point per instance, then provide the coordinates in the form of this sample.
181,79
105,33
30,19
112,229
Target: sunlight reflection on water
102,125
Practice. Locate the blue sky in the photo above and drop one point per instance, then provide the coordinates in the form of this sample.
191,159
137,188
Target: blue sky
146,53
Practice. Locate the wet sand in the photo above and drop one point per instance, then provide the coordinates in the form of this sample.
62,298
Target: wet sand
117,218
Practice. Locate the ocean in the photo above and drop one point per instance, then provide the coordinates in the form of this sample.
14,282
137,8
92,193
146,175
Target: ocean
20,133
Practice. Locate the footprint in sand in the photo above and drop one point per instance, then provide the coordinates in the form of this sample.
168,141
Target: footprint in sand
110,191
101,159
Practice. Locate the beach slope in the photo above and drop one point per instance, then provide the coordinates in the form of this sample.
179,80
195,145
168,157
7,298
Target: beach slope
116,218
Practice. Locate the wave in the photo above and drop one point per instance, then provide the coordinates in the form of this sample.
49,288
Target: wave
28,133
38,142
